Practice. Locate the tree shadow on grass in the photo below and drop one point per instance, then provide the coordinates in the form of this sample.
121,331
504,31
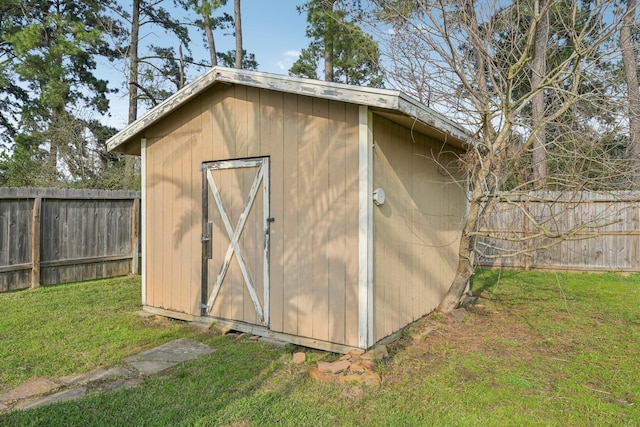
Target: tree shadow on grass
235,379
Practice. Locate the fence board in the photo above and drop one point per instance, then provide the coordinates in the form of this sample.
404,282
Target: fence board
608,242
83,234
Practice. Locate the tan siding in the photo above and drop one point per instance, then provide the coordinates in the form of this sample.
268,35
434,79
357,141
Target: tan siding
169,220
253,123
291,284
272,141
199,153
313,149
337,228
416,230
320,230
224,142
306,216
152,224
350,256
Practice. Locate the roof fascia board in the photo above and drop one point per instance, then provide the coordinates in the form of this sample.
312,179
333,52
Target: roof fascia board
372,97
174,101
432,118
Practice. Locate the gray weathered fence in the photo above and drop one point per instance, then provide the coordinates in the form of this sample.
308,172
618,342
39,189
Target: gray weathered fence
50,235
606,232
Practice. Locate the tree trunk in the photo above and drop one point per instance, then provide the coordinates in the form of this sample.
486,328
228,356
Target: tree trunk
134,61
210,40
328,40
463,274
630,61
466,255
539,71
238,25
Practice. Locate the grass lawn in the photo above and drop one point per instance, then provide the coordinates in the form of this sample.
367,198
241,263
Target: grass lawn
537,349
59,330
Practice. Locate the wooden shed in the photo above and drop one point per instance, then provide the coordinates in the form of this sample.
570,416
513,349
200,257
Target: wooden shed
322,214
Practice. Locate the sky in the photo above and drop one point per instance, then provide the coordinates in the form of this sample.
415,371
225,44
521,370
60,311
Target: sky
272,30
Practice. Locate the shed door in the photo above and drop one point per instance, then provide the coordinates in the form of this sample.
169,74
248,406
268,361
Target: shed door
235,260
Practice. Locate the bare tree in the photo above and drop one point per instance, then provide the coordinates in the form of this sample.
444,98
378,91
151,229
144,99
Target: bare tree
484,63
630,63
134,61
539,71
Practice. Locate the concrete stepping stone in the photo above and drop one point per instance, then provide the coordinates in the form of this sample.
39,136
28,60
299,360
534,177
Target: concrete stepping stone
34,387
167,355
96,375
62,396
43,391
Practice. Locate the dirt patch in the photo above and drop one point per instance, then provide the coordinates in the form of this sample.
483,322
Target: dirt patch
488,328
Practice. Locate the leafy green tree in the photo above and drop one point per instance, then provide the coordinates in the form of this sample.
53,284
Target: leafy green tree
348,54
55,45
228,59
154,71
12,96
208,22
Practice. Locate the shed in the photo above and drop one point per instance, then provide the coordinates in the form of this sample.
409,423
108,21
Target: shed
322,214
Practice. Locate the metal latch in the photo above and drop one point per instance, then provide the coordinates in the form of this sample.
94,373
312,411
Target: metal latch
205,239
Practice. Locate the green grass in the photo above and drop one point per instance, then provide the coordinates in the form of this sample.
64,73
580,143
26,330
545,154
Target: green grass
60,330
538,349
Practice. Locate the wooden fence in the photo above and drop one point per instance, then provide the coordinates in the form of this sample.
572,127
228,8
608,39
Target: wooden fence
50,236
606,233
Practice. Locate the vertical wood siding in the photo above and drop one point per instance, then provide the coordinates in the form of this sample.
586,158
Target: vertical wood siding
81,234
416,230
312,144
608,242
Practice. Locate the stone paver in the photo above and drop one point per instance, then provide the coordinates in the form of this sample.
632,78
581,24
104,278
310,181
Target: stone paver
43,391
122,383
97,375
34,387
62,396
167,355
272,341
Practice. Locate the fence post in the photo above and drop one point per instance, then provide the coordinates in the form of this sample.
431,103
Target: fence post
525,258
135,226
35,243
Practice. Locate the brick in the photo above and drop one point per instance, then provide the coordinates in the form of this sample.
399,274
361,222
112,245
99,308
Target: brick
299,358
369,364
379,352
371,379
316,375
335,367
357,367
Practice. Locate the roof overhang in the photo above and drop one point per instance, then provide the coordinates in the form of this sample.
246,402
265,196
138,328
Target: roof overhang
393,104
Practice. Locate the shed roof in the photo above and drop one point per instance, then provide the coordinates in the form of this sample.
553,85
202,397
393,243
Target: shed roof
392,104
